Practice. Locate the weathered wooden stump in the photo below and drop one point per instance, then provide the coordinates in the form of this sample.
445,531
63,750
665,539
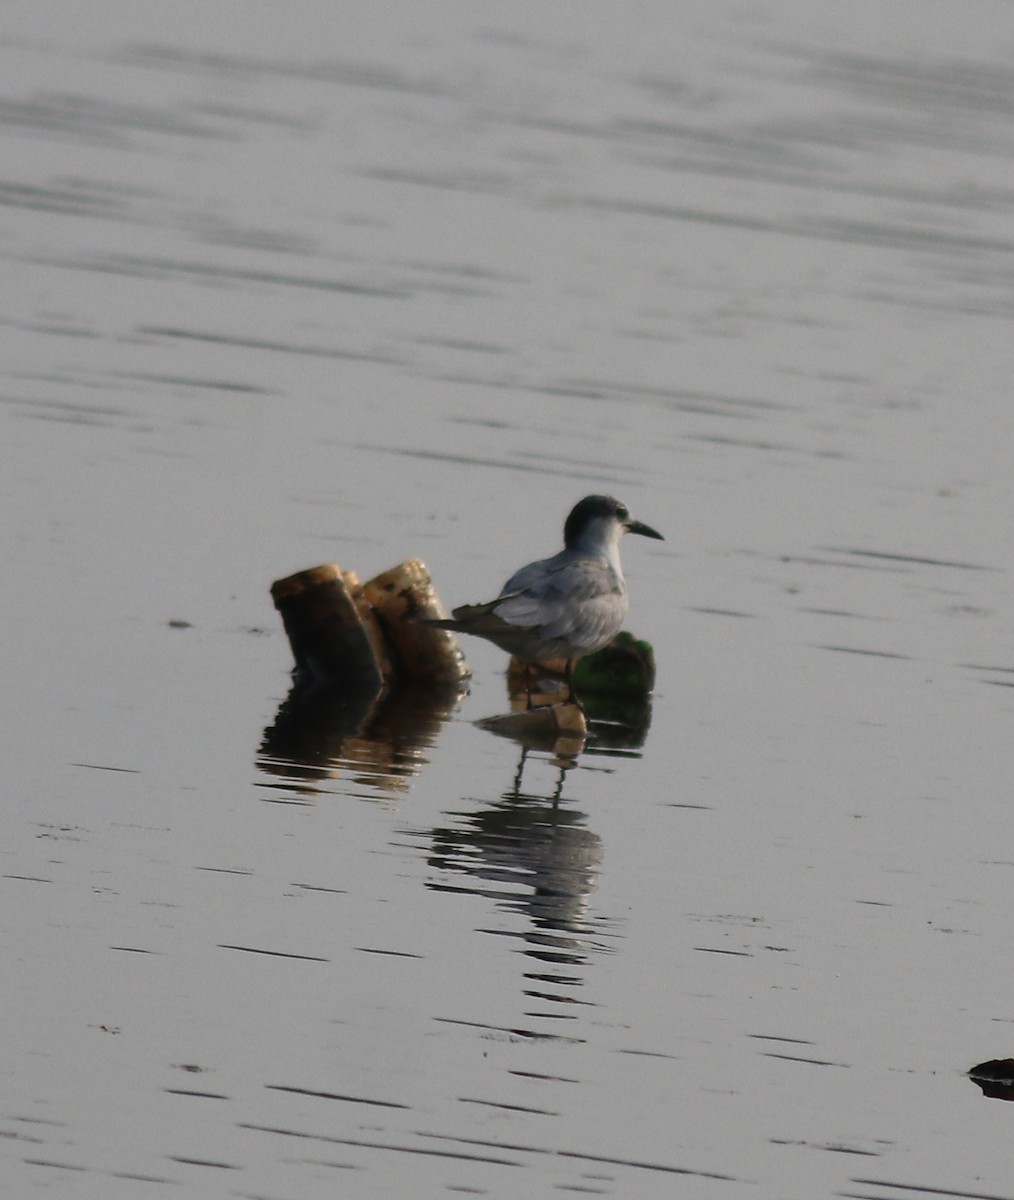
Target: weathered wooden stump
397,598
325,630
356,636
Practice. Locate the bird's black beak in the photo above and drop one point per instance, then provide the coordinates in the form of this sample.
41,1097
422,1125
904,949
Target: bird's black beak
643,530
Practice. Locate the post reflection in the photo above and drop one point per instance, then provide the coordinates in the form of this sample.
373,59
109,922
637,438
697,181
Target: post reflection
381,738
322,733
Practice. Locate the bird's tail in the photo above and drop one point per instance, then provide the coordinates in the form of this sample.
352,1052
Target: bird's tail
462,619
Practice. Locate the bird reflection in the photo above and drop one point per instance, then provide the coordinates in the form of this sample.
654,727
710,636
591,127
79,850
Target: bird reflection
533,856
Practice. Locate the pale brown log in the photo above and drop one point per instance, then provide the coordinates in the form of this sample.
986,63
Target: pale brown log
398,597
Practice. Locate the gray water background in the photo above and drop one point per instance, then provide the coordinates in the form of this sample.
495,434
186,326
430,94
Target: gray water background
290,284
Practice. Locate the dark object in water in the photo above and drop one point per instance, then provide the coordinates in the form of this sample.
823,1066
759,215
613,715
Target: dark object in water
626,667
995,1077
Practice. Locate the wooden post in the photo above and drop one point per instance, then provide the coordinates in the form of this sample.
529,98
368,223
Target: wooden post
325,629
371,625
399,596
359,636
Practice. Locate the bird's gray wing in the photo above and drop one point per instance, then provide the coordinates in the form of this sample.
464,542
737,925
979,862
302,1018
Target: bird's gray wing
579,599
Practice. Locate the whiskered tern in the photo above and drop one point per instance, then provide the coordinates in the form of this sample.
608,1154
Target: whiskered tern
566,606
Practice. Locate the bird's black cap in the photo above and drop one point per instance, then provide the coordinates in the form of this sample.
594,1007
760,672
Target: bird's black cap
592,507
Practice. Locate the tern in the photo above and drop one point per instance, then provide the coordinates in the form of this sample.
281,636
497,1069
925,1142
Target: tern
566,606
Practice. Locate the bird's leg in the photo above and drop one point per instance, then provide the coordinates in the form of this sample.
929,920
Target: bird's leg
516,792
558,790
572,696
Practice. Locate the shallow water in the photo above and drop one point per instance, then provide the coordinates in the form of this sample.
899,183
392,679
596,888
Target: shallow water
400,283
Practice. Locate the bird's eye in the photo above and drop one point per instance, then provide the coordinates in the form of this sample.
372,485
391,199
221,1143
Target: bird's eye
622,511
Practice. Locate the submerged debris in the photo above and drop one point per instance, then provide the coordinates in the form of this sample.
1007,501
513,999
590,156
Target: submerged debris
995,1077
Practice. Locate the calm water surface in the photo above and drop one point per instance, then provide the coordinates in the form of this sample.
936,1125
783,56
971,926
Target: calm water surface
361,286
